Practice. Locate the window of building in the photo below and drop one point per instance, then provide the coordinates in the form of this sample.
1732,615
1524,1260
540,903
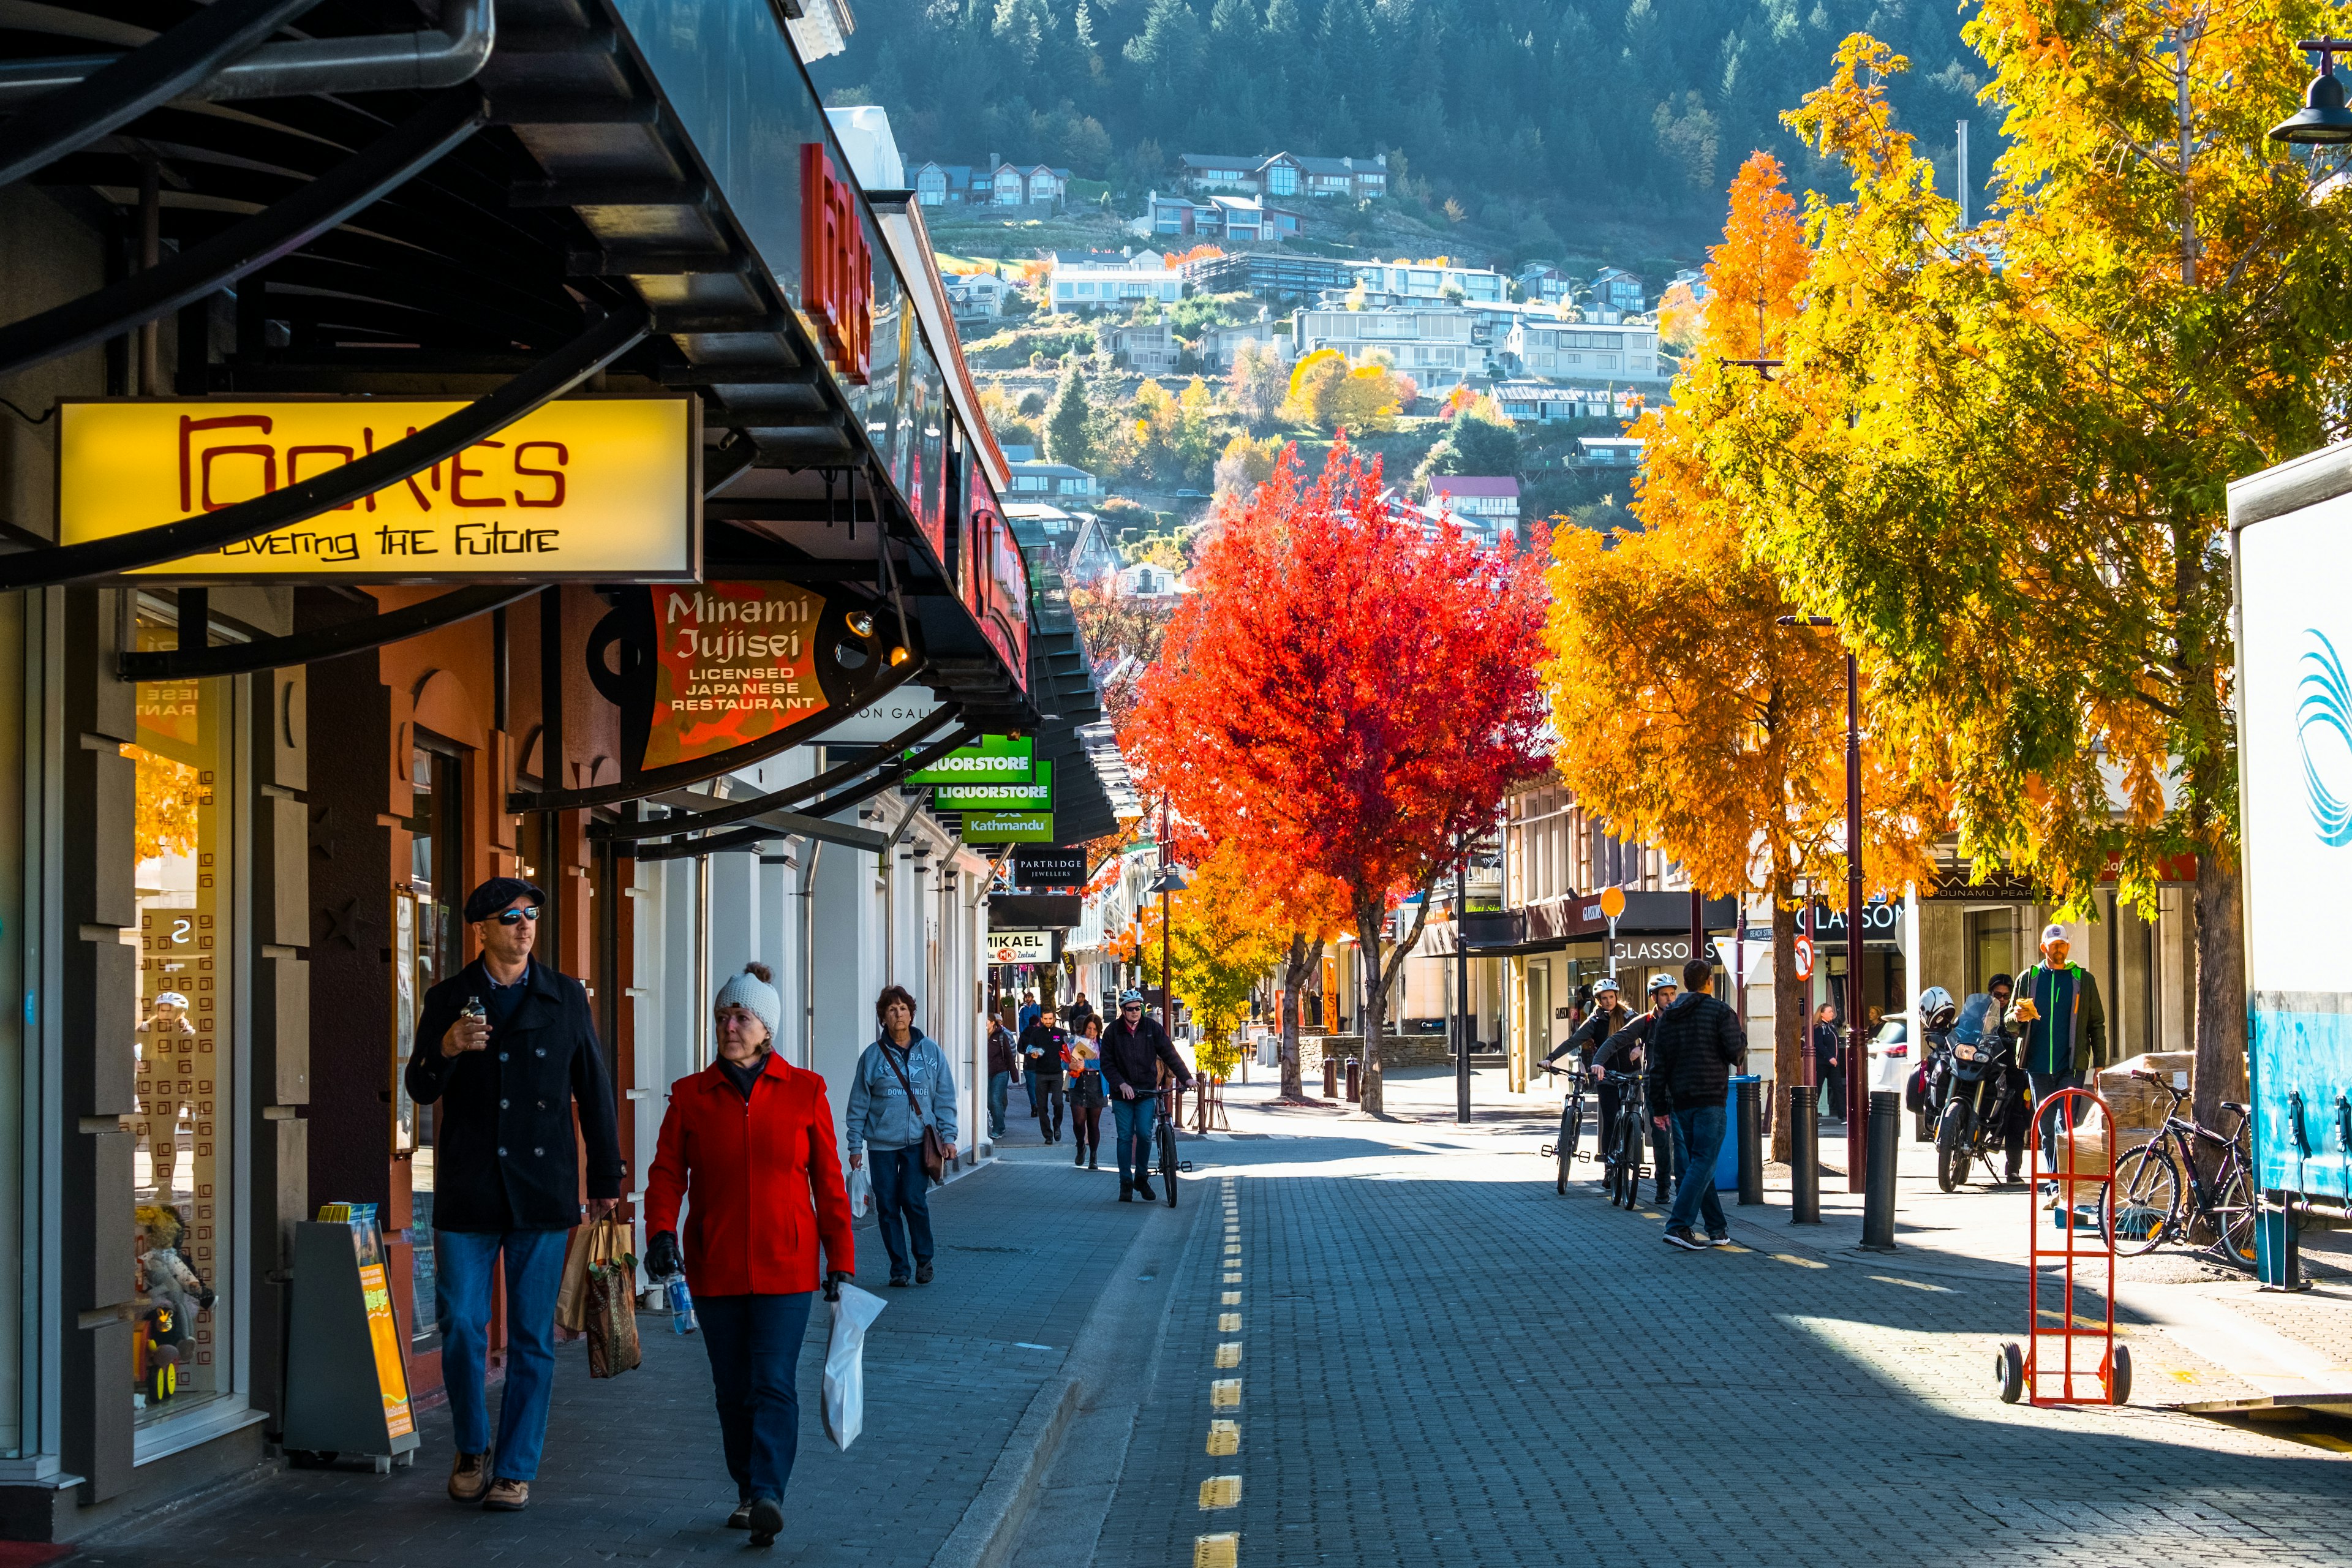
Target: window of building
1282,179
427,948
182,1166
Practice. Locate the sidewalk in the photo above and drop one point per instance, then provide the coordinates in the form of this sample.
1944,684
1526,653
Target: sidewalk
962,1392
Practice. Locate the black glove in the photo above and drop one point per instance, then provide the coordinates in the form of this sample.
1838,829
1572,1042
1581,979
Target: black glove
663,1260
833,1285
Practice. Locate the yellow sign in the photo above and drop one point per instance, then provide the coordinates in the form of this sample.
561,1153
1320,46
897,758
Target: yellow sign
603,489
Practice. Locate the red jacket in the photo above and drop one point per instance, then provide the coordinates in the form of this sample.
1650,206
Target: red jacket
765,1180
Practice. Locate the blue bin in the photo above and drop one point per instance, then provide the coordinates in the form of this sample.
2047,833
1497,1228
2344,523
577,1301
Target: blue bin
1727,1160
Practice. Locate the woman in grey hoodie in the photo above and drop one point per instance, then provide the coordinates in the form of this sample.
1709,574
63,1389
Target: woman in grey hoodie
902,1084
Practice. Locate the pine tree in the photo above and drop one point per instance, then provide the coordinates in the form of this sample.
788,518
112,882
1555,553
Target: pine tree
1065,423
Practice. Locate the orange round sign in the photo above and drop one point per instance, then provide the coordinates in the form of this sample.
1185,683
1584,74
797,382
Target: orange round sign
1802,951
1612,902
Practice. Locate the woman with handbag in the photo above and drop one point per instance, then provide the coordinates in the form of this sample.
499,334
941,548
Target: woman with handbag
748,1145
1086,1096
902,1109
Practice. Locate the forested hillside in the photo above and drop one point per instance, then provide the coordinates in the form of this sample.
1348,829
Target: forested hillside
1530,115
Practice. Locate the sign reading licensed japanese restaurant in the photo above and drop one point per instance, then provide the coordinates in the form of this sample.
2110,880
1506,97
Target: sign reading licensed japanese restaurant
733,662
605,489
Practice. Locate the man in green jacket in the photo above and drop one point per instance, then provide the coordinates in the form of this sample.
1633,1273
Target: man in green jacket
2063,1028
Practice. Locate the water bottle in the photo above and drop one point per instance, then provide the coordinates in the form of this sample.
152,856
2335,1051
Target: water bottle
682,1320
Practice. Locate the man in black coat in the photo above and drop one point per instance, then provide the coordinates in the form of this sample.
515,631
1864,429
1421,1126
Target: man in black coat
1040,1047
1134,1049
1692,1051
506,1175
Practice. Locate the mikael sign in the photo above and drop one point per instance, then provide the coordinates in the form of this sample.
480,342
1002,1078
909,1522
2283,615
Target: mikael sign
836,265
605,489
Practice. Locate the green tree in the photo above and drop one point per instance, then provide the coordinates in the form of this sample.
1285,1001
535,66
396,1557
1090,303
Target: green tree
1473,444
1065,421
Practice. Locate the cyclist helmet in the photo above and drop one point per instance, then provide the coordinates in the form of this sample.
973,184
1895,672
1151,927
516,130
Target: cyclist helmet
1604,984
1936,1010
1663,982
1130,997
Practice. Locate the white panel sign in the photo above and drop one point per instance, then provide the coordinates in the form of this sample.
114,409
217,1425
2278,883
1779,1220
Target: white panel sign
1020,947
883,720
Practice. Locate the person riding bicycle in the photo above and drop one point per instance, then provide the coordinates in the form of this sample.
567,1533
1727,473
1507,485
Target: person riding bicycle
1134,1049
1622,1052
1609,1015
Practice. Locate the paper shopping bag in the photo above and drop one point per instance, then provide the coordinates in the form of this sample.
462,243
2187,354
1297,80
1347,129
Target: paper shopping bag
572,1296
845,1365
612,1307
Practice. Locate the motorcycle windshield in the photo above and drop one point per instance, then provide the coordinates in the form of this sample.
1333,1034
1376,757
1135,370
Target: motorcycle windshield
1975,1020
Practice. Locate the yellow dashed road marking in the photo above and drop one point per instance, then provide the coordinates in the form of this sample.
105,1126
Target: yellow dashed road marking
1229,1354
1799,1262
1233,1299
1912,1284
1220,1550
1233,1277
1225,1394
1229,1322
1221,1492
1225,1438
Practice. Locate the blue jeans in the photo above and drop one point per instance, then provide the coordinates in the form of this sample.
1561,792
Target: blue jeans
999,1087
755,1343
1132,1122
465,1261
1031,1081
1700,1132
2046,1084
902,1197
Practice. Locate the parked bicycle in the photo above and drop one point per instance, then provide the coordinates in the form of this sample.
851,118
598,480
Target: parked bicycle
1571,1122
2160,1193
1628,1141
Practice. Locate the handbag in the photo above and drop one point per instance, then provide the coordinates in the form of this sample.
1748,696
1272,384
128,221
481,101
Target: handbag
935,1149
611,1302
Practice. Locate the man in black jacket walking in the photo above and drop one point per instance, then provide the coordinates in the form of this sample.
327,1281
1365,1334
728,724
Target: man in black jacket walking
1040,1047
507,1176
1692,1050
1134,1048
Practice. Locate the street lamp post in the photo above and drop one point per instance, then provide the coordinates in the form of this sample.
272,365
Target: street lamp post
1462,989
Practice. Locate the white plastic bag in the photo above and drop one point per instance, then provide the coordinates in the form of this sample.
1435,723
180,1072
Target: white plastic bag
861,1192
844,1364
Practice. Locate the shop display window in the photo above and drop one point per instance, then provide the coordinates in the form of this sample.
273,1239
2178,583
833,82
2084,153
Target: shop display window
182,1127
426,951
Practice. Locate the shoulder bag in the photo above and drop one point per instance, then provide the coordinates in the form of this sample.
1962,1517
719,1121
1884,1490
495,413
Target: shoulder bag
935,1150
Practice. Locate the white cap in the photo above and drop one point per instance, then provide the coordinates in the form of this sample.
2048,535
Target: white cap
2053,932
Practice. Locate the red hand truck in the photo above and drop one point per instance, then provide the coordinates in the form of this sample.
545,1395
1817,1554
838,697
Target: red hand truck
2022,1372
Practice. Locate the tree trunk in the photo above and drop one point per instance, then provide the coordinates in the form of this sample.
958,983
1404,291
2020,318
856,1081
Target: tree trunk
2221,1071
1376,1004
1788,1023
1294,977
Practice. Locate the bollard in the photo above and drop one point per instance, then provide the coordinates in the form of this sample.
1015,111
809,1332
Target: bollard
1331,1077
1804,1155
1878,1173
1751,1140
1354,1080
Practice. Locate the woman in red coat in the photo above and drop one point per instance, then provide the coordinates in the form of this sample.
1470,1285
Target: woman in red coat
748,1140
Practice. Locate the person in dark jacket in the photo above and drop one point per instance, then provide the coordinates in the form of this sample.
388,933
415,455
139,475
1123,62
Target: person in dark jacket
1691,1052
2061,1025
1004,1071
746,1150
1605,1017
1829,1058
507,1176
1625,1051
1134,1049
1040,1048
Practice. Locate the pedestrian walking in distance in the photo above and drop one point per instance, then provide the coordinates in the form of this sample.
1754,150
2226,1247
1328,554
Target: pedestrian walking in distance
1692,1050
1004,1071
1042,1045
747,1147
1829,1058
1134,1049
902,1082
507,1047
1087,1097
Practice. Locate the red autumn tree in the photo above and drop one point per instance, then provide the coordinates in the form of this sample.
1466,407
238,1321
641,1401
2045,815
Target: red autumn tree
1347,696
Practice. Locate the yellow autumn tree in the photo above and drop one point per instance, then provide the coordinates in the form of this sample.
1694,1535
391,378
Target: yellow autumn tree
1225,936
1330,393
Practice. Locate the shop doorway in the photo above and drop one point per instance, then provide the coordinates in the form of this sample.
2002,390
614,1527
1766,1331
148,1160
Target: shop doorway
429,948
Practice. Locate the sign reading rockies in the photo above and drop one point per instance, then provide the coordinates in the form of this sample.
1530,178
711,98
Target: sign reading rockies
733,661
603,489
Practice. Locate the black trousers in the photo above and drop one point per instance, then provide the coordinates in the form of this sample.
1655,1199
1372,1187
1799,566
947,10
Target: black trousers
1052,1102
1832,1078
1609,1102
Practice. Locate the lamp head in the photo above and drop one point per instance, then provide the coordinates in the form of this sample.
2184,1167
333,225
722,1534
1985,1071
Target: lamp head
2323,121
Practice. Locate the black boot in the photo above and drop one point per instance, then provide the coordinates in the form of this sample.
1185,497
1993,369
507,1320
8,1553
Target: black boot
1143,1190
1126,1192
1092,1149
1079,1158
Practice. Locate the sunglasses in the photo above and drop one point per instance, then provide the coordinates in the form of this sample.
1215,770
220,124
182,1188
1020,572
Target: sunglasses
1132,1008
516,917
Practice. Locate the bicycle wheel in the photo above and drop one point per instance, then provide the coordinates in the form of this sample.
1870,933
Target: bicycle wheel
1168,1160
1570,1125
2144,1197
1629,1165
2233,1218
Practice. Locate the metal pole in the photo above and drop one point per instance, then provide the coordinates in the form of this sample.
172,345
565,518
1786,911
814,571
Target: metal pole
1462,990
1879,1202
1804,1157
1698,921
1857,1055
1166,977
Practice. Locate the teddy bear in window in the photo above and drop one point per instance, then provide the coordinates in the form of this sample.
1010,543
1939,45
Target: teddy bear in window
175,1293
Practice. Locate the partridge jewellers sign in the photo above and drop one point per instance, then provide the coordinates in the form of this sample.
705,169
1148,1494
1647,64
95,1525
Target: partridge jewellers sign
603,489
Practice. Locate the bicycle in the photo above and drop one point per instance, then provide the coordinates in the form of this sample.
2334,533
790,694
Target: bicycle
1628,1141
2145,1195
1571,1122
1164,1136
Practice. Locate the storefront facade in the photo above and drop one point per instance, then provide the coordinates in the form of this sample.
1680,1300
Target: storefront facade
615,374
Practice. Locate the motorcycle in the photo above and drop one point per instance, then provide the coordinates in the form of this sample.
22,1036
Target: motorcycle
1984,1093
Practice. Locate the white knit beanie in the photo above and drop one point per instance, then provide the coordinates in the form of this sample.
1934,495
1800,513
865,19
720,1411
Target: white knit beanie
751,992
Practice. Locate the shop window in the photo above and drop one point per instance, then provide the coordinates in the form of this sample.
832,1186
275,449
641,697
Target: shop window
181,1164
427,950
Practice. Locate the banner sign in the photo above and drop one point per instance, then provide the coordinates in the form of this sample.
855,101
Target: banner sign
1008,828
997,759
734,661
1020,947
1036,795
1048,866
601,488
887,719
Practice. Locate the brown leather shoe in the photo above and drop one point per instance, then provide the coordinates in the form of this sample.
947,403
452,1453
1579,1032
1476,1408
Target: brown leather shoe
469,1477
506,1497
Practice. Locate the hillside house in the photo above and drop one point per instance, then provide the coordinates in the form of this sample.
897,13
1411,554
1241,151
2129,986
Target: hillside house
977,297
1036,481
1108,278
1609,451
1541,403
1238,219
1095,554
1285,174
1269,274
1431,345
1617,292
1496,498
1147,348
1628,351
1151,581
1408,281
1219,344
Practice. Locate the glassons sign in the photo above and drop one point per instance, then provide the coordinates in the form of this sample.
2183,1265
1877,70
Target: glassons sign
601,487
